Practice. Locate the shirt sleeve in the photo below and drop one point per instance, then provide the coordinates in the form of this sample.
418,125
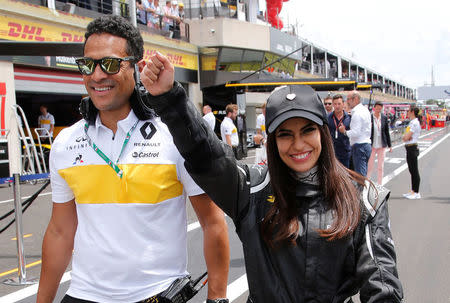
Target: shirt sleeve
227,129
52,119
61,192
190,187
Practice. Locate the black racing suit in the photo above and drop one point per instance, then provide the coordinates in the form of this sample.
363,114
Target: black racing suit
315,270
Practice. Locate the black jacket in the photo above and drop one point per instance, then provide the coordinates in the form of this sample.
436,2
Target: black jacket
385,136
316,270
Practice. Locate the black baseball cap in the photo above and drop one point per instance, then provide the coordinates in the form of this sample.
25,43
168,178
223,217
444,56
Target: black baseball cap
291,101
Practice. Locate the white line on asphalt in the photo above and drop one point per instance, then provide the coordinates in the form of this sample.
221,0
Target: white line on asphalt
28,291
396,172
423,136
23,198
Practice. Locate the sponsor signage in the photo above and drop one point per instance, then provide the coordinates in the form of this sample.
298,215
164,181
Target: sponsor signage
17,29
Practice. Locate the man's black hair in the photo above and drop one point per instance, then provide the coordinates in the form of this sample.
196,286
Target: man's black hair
338,96
378,103
120,27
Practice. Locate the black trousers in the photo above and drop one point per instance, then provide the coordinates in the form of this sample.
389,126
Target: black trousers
412,152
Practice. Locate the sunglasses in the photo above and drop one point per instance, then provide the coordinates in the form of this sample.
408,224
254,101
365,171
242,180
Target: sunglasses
327,103
109,65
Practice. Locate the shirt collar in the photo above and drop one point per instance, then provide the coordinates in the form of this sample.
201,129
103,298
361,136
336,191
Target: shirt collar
125,124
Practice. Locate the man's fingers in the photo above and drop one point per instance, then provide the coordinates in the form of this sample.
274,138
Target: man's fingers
158,60
164,61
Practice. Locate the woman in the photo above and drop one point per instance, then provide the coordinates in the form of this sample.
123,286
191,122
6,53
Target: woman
312,231
381,139
410,138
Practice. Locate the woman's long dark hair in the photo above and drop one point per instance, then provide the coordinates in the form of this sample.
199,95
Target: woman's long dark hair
416,111
281,224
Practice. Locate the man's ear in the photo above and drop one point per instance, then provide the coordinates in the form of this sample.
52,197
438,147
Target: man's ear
141,65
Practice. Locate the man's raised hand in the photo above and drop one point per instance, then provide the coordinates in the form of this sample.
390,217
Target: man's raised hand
157,74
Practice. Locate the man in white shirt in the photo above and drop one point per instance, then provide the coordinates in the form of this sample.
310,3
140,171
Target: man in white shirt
261,122
47,121
119,185
359,133
209,117
228,130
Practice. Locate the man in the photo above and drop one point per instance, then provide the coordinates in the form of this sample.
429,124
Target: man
380,138
228,130
261,122
47,121
359,133
327,102
341,142
209,117
124,221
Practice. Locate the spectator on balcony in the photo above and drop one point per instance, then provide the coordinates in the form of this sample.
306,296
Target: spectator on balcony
181,11
168,16
175,8
153,12
141,17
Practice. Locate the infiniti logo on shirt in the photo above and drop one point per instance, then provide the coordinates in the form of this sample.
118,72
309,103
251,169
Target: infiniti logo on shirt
147,130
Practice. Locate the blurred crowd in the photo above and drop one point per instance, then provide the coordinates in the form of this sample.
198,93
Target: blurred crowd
167,17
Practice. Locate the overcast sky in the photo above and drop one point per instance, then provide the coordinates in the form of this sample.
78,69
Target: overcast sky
398,38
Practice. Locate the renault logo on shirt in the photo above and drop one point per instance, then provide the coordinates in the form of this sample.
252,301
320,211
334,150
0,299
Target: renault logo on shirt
148,130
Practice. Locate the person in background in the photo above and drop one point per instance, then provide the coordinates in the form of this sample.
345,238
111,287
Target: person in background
228,130
411,138
141,15
338,117
168,16
261,122
181,11
328,103
150,9
381,139
119,200
46,121
307,234
359,133
209,117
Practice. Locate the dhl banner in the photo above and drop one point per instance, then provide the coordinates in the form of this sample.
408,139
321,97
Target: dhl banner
23,30
178,59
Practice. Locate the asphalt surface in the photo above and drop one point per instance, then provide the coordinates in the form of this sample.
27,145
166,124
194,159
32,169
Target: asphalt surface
421,230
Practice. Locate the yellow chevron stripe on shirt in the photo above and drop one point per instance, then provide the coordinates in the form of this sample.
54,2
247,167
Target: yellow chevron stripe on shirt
45,121
141,183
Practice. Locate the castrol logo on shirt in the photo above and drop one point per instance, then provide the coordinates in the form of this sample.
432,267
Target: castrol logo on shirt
145,154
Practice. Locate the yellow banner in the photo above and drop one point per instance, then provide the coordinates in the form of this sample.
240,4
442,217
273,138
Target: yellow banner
24,30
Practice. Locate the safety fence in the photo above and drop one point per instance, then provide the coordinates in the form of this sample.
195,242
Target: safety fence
19,208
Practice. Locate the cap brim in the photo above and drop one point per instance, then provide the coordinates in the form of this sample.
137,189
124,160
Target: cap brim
293,114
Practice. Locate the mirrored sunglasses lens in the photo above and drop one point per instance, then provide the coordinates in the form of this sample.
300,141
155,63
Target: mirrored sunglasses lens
86,66
110,65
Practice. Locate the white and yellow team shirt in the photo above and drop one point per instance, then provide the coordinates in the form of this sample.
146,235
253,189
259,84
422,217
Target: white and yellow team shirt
130,241
414,127
261,124
228,128
46,122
